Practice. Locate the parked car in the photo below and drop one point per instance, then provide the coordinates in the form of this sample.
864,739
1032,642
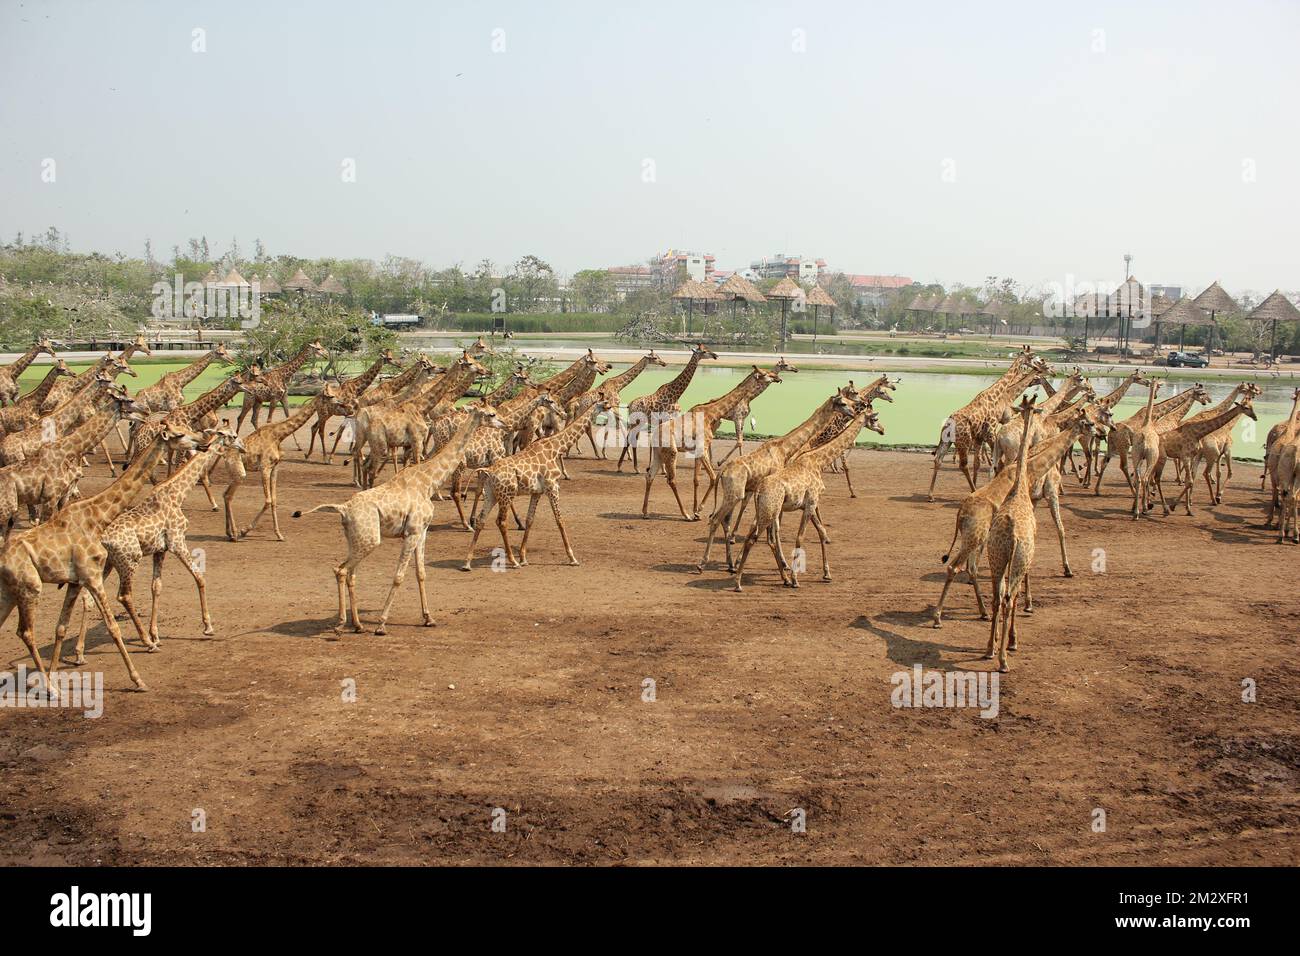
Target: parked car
1187,360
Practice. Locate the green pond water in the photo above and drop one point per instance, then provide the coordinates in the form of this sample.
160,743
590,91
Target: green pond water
921,403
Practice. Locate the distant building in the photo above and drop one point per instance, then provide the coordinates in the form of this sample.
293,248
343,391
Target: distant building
698,266
1171,292
873,291
796,267
629,279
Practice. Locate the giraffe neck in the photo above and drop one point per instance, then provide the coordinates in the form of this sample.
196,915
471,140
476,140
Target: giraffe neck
624,379
39,393
567,436
1198,430
503,392
670,393
513,412
750,388
287,426
129,352
1173,407
355,386
282,373
997,395
213,399
401,380
1046,454
93,431
88,374
841,441
117,497
74,407
192,371
1021,488
434,472
559,379
1113,398
19,365
1223,406
1057,399
452,385
174,489
792,441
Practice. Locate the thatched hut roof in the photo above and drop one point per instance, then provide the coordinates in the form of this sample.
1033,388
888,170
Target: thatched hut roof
332,286
234,279
212,278
1184,312
994,307
1276,308
1214,299
817,296
267,285
691,289
1160,304
738,287
952,305
787,288
922,303
300,282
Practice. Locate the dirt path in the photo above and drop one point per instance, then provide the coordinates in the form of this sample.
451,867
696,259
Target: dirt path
527,696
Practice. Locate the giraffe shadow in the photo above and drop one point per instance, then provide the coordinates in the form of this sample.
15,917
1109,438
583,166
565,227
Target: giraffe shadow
1262,536
616,516
904,650
306,627
919,498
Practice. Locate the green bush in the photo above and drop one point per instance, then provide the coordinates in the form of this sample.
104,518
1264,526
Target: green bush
521,323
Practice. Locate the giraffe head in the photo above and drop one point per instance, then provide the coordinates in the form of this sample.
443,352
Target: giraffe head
783,366
764,378
1139,377
141,345
129,409
884,391
1087,390
1252,391
703,352
390,358
45,344
222,353
1201,394
467,362
592,362
117,365
519,377
220,439
426,363
872,421
1247,406
248,377
484,415
315,348
479,347
178,438
653,359
844,400
61,367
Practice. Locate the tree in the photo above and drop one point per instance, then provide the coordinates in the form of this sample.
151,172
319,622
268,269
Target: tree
530,281
593,290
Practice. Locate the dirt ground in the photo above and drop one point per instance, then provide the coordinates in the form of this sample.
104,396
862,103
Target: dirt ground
527,696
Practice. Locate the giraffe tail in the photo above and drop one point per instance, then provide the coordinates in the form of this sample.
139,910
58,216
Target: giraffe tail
337,509
945,439
953,543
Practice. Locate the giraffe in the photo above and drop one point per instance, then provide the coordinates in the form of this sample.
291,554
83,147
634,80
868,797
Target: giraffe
975,514
542,423
1011,551
535,471
1183,445
404,384
43,482
26,411
261,452
67,550
1008,435
1108,401
1144,440
156,527
739,477
971,426
510,386
1163,416
1288,482
614,387
798,487
389,427
9,373
882,388
740,414
643,412
400,508
1216,448
168,393
273,387
115,364
349,390
20,445
1281,433
693,432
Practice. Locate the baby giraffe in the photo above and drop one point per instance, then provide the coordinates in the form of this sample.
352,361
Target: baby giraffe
1011,550
402,508
156,527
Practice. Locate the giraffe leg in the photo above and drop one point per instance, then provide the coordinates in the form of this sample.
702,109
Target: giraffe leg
207,490
506,502
482,506
25,601
275,501
1054,506
744,554
844,462
972,568
999,585
155,590
410,544
553,495
228,496
1008,636
125,565
800,556
266,503
284,403
420,574
821,534
533,499
61,629
707,464
651,469
96,588
179,547
1029,604
670,475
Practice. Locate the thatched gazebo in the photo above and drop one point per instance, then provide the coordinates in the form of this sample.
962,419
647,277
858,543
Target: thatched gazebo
267,285
951,305
690,290
738,288
996,310
300,282
332,286
787,290
818,298
1276,308
1182,313
1214,300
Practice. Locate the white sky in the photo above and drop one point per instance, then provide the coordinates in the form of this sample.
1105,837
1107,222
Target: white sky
1063,156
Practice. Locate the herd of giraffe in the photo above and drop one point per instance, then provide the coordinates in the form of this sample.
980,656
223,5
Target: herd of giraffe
1030,447
513,441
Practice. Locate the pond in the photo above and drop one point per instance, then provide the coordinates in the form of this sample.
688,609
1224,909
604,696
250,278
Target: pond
921,403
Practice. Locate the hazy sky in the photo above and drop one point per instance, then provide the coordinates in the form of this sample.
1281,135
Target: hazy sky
1070,133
